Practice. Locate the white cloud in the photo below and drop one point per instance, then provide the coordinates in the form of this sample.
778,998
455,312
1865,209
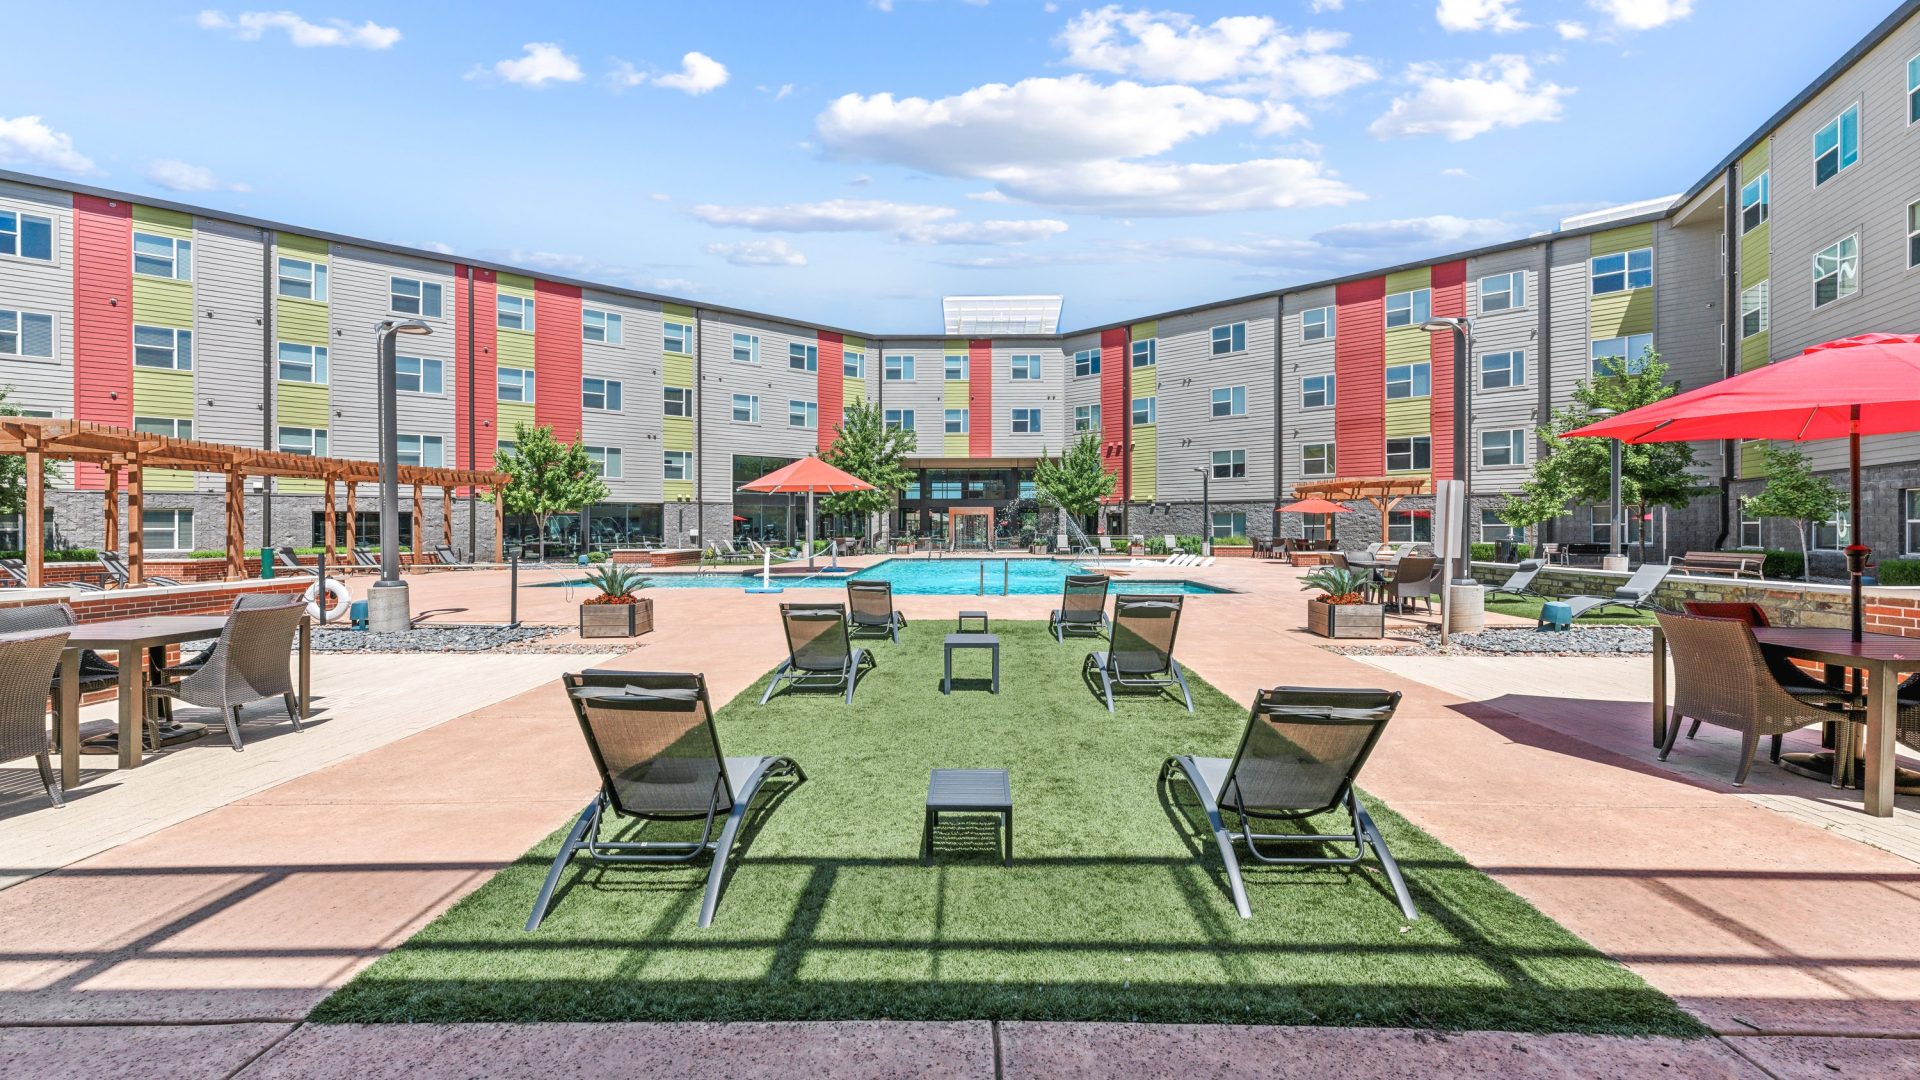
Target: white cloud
1571,31
440,246
1500,92
587,268
660,196
1455,172
759,253
984,232
1426,233
785,91
181,176
335,33
1499,16
541,63
1642,14
1321,6
1157,189
917,223
1248,53
698,74
27,140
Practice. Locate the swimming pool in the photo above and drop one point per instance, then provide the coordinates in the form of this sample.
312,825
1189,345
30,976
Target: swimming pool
932,577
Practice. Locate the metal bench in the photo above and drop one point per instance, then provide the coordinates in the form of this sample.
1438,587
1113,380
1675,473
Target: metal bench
1723,563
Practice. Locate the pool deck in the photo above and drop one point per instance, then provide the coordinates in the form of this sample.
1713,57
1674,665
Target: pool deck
196,947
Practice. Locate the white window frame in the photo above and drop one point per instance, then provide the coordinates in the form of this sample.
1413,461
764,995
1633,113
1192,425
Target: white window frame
1328,452
1232,335
422,366
1492,528
1913,91
752,408
671,329
1086,363
955,367
1146,352
179,257
853,364
1236,524
1913,235
1839,126
150,532
1152,410
745,348
1415,308
674,398
178,350
1411,454
612,394
612,326
522,380
676,465
808,356
306,441
1513,286
1236,402
1026,367
1759,535
1086,419
896,367
1510,442
1634,364
956,421
428,303
1319,324
1226,462
1626,272
19,333
1024,421
898,420
1834,251
1411,380
171,427
1515,369
807,411
522,311
1756,201
286,272
607,461
420,456
1754,302
1840,525
19,235
1328,385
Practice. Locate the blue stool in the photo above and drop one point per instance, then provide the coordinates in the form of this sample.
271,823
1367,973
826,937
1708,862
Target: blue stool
357,613
1556,616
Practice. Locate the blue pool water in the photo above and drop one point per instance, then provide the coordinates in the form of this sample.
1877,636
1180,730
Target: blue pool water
933,577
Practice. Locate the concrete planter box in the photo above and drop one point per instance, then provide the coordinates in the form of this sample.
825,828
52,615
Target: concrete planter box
1346,620
616,620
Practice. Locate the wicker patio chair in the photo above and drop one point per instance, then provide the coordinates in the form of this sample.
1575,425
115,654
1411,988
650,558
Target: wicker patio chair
116,568
15,572
653,740
95,672
1791,677
252,661
870,609
188,665
819,652
1139,654
27,665
1083,606
1298,758
1721,678
1416,577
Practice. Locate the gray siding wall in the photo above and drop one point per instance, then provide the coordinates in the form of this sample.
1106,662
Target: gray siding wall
1079,391
229,330
1512,330
1568,356
925,393
1189,432
771,380
43,288
1048,394
1689,312
1302,359
635,429
360,283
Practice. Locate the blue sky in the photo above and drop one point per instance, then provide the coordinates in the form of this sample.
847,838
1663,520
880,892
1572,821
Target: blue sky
850,161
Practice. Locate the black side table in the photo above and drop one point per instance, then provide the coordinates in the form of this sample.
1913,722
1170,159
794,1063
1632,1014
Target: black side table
968,791
971,641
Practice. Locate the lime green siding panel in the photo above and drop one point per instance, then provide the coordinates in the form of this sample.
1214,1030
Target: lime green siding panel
1753,351
676,370
676,433
852,390
303,322
306,247
1756,255
1408,416
515,283
1757,160
1617,314
1408,280
301,405
681,311
1618,240
1752,465
163,393
1146,381
955,446
851,342
956,347
954,395
1143,330
512,413
165,222
166,480
1405,344
673,490
163,302
515,350
1146,461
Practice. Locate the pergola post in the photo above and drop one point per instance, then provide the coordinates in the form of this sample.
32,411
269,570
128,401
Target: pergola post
34,537
353,539
328,534
499,527
446,517
112,506
236,525
136,521
419,526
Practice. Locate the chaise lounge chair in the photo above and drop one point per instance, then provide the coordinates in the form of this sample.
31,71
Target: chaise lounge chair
1140,652
285,559
1635,595
1083,606
363,557
15,571
445,556
116,569
819,652
1519,584
870,609
652,738
1299,756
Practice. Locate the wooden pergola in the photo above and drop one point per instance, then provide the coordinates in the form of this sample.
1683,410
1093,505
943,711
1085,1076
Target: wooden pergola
1383,492
122,455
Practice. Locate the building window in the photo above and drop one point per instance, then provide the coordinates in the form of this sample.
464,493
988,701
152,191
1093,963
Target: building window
1503,292
1836,147
1228,523
1316,392
1410,454
605,461
26,236
956,420
1229,464
1410,526
676,338
409,296
1913,235
164,426
1146,352
1621,271
1913,90
1410,381
1229,339
1492,528
1835,533
1026,421
167,530
308,363
1317,324
1620,355
853,364
307,442
897,369
678,466
26,333
746,349
417,374
676,401
1410,308
1750,536
1317,459
1836,272
802,357
1086,418
1599,531
162,257
803,414
165,347
902,419
1753,310
1229,401
600,327
746,408
1755,203
600,394
1086,362
1026,367
1145,409
1502,370
515,384
423,450
955,369
1507,446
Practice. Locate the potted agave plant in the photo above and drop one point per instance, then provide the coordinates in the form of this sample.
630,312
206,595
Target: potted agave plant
615,609
1341,610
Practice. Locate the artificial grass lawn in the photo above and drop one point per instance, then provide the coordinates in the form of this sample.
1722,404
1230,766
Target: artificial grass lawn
1115,907
1530,609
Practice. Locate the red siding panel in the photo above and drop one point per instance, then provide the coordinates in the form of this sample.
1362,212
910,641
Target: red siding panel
1449,300
1360,389
1113,407
103,319
556,359
479,308
832,385
980,398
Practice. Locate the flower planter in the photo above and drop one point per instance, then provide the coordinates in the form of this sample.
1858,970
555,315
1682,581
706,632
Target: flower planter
1233,551
1036,549
1346,620
617,620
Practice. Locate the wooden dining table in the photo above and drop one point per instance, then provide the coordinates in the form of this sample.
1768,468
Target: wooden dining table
1884,658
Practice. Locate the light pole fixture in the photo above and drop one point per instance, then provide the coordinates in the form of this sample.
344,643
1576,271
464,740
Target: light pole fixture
387,605
1462,328
1614,508
1206,509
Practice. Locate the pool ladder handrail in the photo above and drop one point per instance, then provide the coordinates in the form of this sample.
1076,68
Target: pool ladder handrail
1005,577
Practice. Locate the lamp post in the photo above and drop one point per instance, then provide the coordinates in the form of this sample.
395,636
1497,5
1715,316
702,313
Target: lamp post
387,603
1462,329
1206,510
1615,559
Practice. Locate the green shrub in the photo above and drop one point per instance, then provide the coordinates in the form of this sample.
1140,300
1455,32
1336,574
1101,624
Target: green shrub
1485,552
596,556
1156,545
1899,571
57,555
1189,545
1235,540
1783,564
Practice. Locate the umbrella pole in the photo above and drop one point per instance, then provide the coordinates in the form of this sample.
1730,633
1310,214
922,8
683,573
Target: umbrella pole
809,528
1856,552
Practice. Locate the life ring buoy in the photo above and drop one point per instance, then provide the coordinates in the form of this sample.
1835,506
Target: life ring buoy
337,593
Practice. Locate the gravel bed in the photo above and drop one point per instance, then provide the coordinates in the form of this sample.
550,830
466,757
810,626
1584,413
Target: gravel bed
452,639
1514,641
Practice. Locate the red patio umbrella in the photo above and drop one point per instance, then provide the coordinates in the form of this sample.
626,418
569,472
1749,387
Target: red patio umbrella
1316,506
808,475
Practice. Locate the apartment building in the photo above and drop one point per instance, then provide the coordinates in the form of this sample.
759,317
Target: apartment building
183,321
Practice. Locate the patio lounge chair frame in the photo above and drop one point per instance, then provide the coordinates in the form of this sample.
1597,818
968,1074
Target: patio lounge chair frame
735,784
1083,606
1253,784
285,559
116,568
1520,582
870,609
809,665
1134,659
1635,595
15,570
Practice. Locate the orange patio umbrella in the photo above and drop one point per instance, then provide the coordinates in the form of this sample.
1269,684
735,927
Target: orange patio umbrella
1317,506
810,476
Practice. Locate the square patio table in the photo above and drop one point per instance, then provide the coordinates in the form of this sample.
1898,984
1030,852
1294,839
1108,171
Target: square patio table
968,791
970,641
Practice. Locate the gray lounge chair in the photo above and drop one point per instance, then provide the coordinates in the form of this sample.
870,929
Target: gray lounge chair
870,609
1721,677
252,661
116,568
1083,606
15,571
1635,595
1140,651
1302,749
652,738
363,557
1519,584
27,665
285,559
819,652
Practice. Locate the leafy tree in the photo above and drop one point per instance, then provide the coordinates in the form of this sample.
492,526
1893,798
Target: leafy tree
1077,480
1574,472
1795,493
865,447
13,469
548,477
